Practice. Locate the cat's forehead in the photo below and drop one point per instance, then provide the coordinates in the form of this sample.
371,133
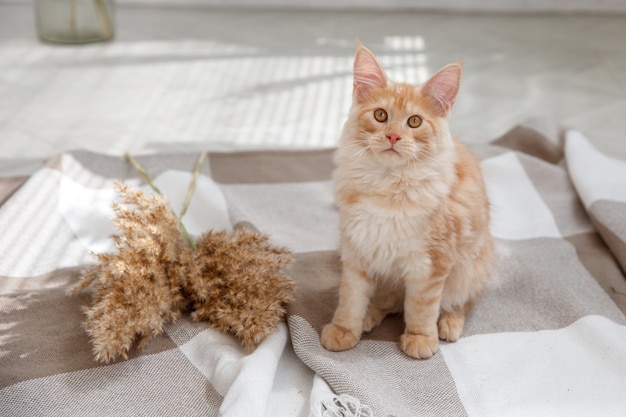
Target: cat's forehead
402,96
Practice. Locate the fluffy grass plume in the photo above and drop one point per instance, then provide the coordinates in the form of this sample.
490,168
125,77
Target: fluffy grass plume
238,286
234,280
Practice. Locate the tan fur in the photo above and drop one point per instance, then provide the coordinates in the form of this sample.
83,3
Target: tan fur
414,214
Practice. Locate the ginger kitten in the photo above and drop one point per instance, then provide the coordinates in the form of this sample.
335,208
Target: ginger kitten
414,213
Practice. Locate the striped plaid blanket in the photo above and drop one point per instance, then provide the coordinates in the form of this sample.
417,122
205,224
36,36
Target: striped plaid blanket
549,338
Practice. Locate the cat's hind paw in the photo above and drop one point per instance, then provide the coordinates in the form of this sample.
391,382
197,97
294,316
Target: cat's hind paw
450,326
373,318
419,346
336,338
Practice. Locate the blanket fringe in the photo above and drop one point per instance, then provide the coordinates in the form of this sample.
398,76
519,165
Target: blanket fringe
345,406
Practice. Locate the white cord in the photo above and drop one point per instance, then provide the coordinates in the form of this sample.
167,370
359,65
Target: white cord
345,406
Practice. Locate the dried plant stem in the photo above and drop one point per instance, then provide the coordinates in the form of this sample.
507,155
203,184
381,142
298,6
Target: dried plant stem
186,234
140,169
142,172
192,185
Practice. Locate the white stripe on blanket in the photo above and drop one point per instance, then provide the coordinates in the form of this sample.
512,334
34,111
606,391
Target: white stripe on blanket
247,381
31,223
89,214
517,210
579,371
595,175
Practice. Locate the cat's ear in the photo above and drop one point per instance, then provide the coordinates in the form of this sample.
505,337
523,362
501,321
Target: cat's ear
368,74
443,87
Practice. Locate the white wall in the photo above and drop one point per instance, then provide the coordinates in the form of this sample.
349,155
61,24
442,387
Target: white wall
524,6
527,6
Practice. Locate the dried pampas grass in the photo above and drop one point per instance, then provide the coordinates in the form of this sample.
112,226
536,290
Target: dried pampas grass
137,290
238,287
233,280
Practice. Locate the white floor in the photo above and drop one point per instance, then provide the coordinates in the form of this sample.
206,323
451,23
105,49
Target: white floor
202,78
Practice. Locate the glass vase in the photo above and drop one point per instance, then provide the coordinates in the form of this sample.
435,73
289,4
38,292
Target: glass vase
75,21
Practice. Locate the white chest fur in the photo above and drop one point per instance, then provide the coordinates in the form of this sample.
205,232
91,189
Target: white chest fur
387,230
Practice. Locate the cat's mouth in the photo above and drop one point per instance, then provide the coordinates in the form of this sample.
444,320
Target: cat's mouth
392,150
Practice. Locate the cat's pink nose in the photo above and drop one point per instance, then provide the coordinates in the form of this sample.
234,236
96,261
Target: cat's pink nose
393,138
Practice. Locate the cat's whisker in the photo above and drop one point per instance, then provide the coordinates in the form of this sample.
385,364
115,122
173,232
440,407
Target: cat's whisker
361,150
359,154
412,158
426,156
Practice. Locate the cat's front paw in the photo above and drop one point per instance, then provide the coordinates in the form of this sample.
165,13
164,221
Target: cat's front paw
336,338
419,346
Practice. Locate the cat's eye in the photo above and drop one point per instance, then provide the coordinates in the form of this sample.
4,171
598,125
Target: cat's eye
414,121
380,115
